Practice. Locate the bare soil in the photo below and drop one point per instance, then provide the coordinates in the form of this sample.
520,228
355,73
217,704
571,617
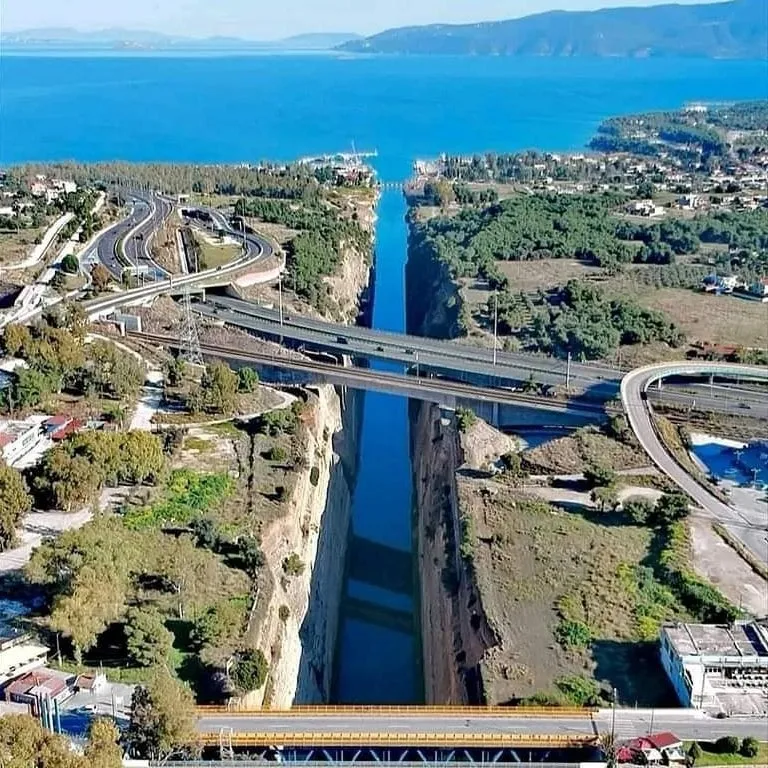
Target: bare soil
573,454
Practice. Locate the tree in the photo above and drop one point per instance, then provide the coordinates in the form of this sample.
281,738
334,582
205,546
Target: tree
670,508
17,340
640,511
465,419
598,475
205,533
15,502
100,278
25,743
249,671
217,625
750,747
247,380
70,264
147,640
727,745
292,565
219,386
162,717
95,600
694,753
103,748
252,557
175,368
605,496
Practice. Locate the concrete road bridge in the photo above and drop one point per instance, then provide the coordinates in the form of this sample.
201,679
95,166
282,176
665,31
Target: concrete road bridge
425,357
445,734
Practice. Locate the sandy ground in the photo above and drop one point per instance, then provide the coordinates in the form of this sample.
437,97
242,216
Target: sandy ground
718,562
40,525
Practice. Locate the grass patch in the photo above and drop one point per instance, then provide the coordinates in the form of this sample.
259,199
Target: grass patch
197,444
710,755
187,494
214,255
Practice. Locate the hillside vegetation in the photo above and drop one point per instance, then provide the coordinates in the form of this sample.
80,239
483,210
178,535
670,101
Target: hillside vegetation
737,29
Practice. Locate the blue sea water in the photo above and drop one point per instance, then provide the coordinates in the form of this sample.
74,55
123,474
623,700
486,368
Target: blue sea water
246,109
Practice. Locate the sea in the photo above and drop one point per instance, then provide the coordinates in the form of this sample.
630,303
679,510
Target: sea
252,108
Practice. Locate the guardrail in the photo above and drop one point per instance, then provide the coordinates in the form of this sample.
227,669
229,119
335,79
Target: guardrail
385,739
408,711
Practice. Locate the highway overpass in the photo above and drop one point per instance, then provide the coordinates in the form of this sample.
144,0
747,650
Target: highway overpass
453,360
301,370
750,527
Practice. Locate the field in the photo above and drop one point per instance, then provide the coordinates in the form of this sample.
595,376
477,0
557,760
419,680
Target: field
17,246
542,571
727,320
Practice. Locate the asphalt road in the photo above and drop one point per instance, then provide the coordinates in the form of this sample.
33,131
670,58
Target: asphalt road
752,531
687,724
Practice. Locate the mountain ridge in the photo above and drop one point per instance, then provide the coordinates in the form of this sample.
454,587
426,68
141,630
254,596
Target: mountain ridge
68,38
733,29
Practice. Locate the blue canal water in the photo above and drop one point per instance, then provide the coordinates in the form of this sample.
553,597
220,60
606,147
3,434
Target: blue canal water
246,109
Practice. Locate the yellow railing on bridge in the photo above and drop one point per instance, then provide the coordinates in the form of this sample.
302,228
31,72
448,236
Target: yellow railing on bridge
384,739
406,711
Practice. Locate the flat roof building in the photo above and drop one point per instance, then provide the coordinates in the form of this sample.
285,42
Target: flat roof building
718,667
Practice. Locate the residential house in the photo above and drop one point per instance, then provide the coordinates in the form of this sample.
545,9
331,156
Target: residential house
38,686
91,683
721,283
653,749
60,427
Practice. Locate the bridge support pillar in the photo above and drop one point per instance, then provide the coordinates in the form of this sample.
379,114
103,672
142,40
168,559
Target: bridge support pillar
495,415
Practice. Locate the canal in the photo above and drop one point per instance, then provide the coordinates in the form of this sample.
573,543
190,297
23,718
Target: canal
378,655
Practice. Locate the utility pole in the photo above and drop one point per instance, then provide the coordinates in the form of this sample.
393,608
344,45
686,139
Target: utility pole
568,374
495,325
280,297
613,717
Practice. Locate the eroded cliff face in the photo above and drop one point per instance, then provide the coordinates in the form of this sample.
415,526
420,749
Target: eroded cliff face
455,634
299,642
298,631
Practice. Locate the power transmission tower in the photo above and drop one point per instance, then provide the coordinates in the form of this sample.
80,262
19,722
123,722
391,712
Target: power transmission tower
189,338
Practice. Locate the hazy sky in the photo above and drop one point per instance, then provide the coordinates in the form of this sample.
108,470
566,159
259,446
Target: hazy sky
268,19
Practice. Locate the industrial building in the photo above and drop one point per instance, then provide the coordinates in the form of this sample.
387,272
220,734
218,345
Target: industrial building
721,668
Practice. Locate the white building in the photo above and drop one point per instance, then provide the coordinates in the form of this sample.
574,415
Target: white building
18,656
718,667
19,438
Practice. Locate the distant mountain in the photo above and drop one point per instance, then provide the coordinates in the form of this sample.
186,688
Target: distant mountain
736,29
63,39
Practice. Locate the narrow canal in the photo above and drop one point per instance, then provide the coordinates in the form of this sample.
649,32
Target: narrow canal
378,655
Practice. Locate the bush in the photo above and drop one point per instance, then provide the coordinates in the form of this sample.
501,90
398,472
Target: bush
70,264
314,476
292,565
639,511
694,753
727,745
598,476
277,453
573,634
284,612
465,419
749,747
249,672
